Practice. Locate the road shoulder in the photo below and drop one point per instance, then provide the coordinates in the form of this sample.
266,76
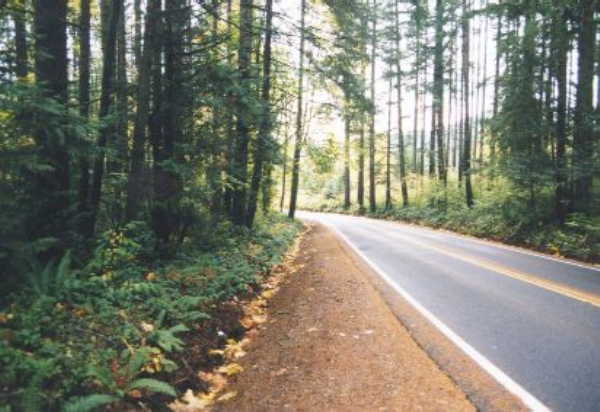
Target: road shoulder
332,343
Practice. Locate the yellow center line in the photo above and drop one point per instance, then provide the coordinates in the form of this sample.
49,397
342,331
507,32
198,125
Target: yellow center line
552,286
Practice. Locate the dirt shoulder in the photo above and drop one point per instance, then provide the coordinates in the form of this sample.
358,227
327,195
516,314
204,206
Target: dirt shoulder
332,343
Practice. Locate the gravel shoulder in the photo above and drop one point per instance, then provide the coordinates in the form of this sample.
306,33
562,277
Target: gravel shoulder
331,343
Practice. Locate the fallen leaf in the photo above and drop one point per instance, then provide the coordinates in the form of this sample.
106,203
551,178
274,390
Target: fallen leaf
216,381
268,294
147,327
259,319
216,352
227,396
234,350
247,322
231,369
191,403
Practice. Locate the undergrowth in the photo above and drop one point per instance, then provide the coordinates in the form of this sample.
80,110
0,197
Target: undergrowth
123,327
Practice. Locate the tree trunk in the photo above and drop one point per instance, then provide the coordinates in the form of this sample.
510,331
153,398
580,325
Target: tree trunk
214,174
240,161
583,125
108,80
372,147
360,187
84,101
299,142
482,118
229,124
167,182
417,4
388,152
262,149
137,42
347,188
466,160
438,89
135,182
400,129
122,138
286,142
21,64
52,186
496,101
561,49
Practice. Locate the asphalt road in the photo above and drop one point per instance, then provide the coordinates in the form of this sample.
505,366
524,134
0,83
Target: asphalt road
535,318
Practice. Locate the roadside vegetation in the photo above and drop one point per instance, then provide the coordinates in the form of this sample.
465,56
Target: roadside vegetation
127,327
138,141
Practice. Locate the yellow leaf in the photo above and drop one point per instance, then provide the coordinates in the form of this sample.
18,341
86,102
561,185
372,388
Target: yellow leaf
247,322
191,403
227,396
216,381
231,369
259,319
147,327
268,294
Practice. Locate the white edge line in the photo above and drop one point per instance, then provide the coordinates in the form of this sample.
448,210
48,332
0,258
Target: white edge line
528,399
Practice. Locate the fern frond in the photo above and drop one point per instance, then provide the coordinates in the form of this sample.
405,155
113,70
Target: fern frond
152,385
89,403
137,360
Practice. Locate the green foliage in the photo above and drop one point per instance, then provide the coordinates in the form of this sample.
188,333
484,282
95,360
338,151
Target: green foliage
324,156
50,281
166,339
91,336
89,403
152,385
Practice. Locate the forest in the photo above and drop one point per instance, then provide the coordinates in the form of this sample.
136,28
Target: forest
153,155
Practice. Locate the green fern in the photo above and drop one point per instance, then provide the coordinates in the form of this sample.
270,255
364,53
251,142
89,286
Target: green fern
89,403
33,396
152,385
166,339
136,360
102,375
49,280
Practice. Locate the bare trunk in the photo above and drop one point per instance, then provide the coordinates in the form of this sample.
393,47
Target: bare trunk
347,188
108,88
372,148
240,160
584,131
466,123
84,100
264,133
135,184
404,187
298,143
388,154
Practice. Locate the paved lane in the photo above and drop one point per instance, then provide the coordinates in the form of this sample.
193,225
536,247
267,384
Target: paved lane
534,317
